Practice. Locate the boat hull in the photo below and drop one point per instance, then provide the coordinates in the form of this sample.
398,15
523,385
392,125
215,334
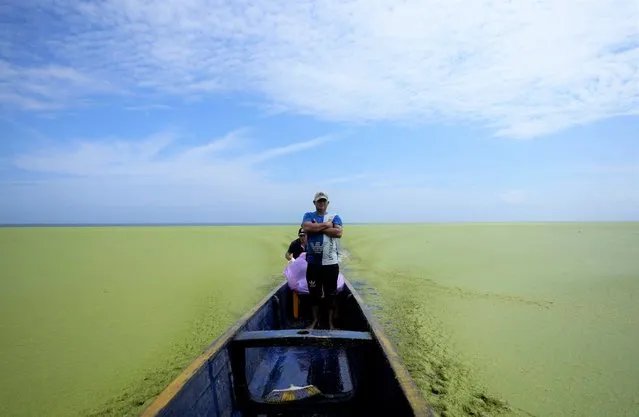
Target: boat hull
355,369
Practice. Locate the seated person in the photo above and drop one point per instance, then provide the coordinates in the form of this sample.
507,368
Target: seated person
297,247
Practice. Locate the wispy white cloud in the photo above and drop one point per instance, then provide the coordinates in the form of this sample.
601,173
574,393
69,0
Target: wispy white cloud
49,87
96,158
289,149
523,68
159,172
161,158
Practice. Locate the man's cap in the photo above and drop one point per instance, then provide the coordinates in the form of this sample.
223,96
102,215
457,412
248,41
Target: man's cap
319,196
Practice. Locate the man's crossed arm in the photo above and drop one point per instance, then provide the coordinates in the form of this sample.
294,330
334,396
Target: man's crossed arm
328,228
335,231
312,227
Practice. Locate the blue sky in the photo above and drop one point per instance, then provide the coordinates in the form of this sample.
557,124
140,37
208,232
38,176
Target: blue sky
239,111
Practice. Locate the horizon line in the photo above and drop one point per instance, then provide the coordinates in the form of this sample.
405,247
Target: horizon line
167,224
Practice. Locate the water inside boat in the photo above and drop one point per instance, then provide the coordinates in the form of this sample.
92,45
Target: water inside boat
279,368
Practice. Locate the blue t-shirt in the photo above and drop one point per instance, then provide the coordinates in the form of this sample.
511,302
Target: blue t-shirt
320,248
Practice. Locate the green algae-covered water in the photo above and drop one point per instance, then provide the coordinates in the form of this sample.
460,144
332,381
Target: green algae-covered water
544,316
101,319
520,319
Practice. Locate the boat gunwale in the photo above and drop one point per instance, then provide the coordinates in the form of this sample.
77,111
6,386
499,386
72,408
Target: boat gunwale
405,380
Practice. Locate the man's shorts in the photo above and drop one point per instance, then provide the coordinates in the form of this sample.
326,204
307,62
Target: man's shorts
322,279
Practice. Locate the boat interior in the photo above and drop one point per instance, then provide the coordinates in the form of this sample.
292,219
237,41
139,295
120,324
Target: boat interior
289,370
271,365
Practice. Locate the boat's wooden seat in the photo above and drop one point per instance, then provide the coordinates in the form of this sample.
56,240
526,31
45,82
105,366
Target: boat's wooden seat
294,357
296,337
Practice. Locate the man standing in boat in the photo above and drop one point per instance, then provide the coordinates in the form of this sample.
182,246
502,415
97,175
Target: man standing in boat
323,232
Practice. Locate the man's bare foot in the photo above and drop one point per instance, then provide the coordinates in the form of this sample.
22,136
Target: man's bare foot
331,326
312,326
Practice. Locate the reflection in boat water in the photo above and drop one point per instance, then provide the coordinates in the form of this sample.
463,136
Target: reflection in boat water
281,367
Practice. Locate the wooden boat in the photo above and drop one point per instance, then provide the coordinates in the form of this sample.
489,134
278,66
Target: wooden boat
249,370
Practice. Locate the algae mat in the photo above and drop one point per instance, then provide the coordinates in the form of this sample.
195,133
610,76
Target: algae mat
99,320
542,316
519,319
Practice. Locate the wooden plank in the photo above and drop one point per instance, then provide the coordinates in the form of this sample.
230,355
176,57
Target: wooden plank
294,337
